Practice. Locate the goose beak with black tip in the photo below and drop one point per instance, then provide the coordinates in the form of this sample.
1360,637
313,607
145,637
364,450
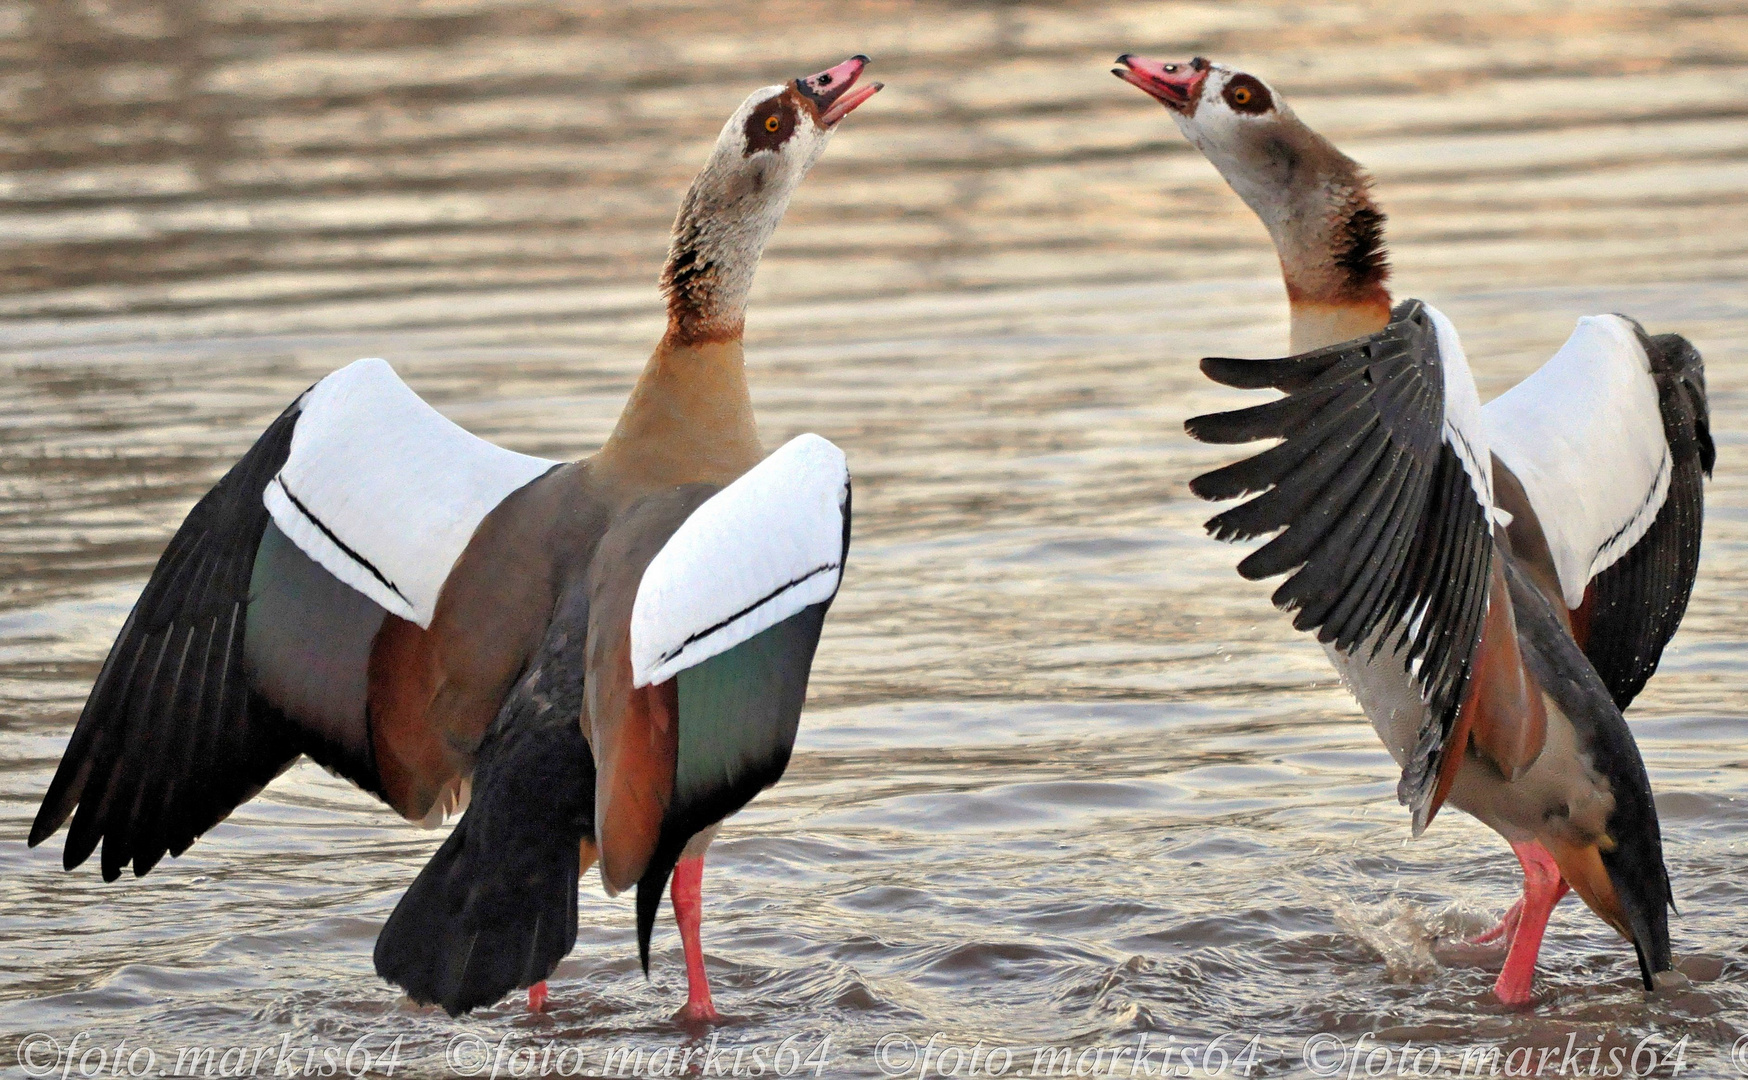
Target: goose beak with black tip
831,93
1176,86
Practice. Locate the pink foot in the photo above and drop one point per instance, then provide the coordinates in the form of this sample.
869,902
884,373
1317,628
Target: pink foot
1507,928
697,1012
537,997
1542,889
688,897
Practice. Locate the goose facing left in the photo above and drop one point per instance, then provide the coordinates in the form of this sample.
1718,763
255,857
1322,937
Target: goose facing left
611,653
1494,584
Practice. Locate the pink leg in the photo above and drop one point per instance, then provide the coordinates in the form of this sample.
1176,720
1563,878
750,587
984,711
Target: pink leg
1542,889
688,896
537,997
1506,929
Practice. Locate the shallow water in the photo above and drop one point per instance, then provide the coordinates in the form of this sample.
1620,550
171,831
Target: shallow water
1064,779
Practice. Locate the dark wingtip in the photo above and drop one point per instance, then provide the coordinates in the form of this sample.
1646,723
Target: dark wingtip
1647,910
1236,372
1641,883
1646,975
83,836
1681,366
50,816
1213,487
649,901
1422,817
1293,373
1224,428
650,888
1650,940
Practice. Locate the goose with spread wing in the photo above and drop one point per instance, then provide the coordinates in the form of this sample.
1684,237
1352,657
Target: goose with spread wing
1494,584
610,655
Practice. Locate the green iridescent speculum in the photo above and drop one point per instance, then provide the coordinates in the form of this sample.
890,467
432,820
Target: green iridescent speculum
739,711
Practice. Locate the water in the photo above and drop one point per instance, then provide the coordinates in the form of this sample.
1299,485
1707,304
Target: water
1063,778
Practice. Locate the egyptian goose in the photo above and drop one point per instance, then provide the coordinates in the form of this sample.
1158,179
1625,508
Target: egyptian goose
613,651
1493,584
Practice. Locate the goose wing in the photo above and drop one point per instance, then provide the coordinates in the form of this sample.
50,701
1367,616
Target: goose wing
707,607
1381,495
1610,441
253,640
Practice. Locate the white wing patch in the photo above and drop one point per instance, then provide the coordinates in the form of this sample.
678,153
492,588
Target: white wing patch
1584,435
1464,430
383,491
755,553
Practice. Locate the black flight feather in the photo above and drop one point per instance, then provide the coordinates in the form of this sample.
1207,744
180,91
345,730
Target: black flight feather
1637,603
1375,517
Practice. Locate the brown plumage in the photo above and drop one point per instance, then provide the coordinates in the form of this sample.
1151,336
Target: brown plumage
1533,747
518,689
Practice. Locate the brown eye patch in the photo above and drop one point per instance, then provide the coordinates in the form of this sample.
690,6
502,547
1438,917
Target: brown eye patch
1246,95
770,126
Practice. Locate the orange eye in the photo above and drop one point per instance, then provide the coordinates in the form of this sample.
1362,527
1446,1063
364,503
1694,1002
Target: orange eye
1241,96
772,123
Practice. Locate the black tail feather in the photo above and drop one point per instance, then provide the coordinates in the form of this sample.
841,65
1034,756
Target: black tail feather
479,923
496,908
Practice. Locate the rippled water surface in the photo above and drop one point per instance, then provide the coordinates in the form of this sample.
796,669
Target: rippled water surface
1063,778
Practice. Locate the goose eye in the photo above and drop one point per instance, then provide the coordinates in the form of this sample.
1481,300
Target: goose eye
769,126
1244,94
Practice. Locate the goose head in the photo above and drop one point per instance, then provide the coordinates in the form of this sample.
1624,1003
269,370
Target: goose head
735,203
1238,122
1314,200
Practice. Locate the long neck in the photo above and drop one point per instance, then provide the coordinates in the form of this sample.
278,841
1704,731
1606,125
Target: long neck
707,292
721,231
1333,264
689,418
1329,235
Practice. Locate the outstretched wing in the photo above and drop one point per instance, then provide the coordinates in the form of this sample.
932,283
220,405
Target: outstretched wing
706,609
1611,441
731,609
766,547
252,641
170,740
1382,497
383,491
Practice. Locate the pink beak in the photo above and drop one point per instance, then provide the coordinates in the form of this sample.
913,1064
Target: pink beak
1176,86
830,90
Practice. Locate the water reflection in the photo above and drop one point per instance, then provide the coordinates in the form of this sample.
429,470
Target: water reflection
1064,776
